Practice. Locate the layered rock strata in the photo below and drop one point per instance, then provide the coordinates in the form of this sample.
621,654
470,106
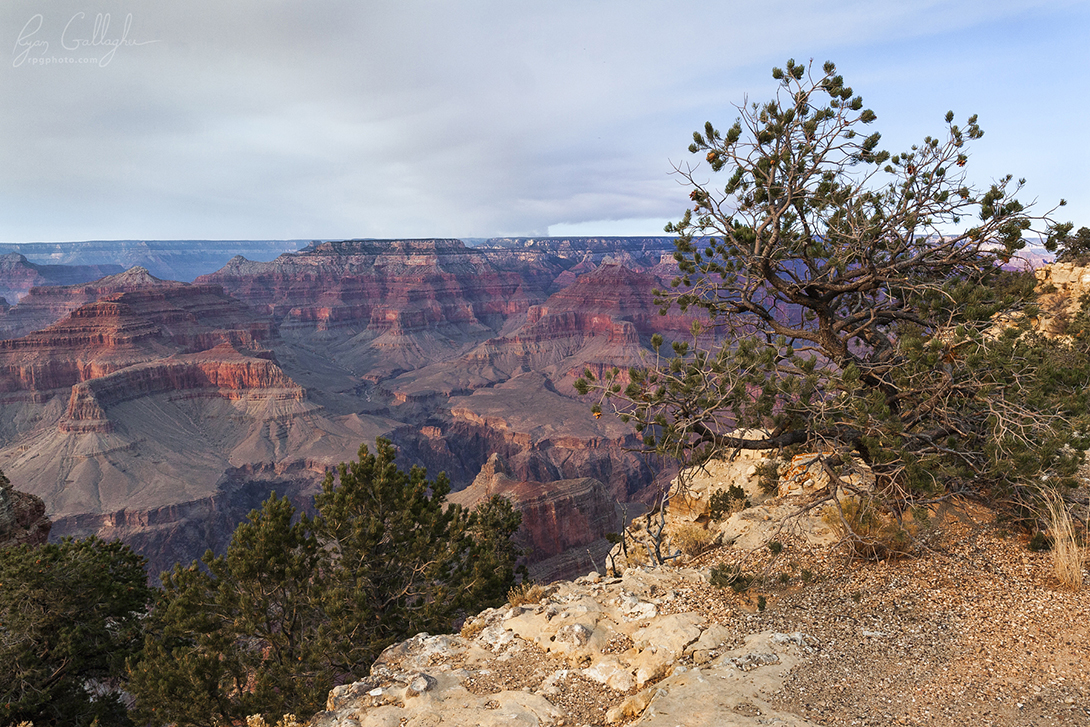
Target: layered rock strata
382,285
162,301
545,435
222,372
121,329
559,517
159,397
136,395
604,320
173,259
384,307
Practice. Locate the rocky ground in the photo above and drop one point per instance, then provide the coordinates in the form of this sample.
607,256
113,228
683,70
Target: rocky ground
975,631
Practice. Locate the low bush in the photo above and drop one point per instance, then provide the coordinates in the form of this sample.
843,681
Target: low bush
724,503
768,476
731,576
867,531
525,593
692,539
471,628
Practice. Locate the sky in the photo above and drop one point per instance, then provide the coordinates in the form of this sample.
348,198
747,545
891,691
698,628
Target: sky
268,119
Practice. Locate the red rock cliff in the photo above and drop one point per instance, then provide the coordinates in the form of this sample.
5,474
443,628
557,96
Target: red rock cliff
390,284
222,372
47,302
18,275
556,516
127,328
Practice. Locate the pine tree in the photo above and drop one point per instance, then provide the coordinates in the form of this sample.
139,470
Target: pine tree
298,605
851,301
236,634
405,561
70,615
1072,248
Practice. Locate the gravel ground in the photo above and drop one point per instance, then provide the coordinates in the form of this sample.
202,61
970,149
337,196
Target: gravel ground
976,631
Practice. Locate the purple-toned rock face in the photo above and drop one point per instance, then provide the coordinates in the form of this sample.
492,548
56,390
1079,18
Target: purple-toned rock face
388,286
120,329
18,275
556,516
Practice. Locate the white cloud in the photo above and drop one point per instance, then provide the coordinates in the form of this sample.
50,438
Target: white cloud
290,119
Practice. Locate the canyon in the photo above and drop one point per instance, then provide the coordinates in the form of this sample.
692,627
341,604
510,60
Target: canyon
161,412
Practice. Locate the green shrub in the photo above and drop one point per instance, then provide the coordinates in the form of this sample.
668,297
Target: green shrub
768,476
724,503
70,614
731,576
297,603
1040,542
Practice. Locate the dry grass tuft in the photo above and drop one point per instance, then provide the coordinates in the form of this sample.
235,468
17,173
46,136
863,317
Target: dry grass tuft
868,532
470,629
288,720
692,539
525,593
1068,558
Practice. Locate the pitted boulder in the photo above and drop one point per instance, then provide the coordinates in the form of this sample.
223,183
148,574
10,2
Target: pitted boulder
612,673
347,694
420,683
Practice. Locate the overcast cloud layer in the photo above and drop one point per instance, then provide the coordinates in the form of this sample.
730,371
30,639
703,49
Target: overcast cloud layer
275,120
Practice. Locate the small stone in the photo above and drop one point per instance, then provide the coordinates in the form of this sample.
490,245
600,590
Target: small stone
576,634
749,662
702,656
631,707
420,684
